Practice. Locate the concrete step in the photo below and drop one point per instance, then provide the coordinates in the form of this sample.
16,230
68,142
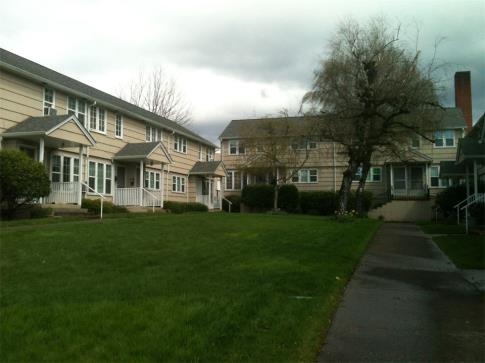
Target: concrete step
404,211
66,209
138,209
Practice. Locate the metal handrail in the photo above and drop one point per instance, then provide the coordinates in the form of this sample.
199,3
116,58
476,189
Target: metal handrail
228,202
99,194
479,197
464,200
153,199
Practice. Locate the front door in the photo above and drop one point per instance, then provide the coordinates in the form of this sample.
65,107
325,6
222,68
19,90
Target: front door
416,178
399,178
120,176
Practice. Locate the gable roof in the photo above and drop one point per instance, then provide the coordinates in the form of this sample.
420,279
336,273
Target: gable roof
45,125
28,68
452,118
140,150
207,167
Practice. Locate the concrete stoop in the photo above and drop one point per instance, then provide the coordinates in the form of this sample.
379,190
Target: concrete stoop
404,211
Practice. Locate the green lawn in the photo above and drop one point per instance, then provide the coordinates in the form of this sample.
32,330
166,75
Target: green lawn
442,228
195,287
466,251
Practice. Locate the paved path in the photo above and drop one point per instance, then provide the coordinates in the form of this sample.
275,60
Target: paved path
406,302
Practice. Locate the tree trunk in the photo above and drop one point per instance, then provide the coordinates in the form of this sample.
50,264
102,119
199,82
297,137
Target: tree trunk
275,201
359,193
346,185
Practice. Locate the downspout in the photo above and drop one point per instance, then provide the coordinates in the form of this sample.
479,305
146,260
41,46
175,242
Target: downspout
168,173
162,186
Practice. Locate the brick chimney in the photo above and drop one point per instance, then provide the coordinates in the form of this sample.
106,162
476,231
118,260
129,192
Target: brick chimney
463,96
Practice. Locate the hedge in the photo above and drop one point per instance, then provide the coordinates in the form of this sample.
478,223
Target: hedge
288,198
258,197
94,206
321,203
181,207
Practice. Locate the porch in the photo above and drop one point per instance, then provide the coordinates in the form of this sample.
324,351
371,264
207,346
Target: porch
208,183
408,182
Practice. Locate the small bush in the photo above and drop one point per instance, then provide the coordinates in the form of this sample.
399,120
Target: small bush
477,212
366,201
236,203
453,195
321,203
22,180
288,198
181,207
94,206
36,211
258,197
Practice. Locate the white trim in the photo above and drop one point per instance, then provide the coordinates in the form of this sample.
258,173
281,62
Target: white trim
53,106
181,143
444,146
97,125
298,175
121,125
105,163
181,184
237,142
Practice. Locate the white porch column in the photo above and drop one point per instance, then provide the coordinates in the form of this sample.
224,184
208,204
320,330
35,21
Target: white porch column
162,181
141,183
475,177
80,195
41,150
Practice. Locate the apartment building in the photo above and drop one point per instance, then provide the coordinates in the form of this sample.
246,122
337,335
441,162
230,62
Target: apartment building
94,144
412,175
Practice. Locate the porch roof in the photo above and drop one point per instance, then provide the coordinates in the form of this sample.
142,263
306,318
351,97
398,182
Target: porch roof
451,169
65,128
208,168
470,149
154,151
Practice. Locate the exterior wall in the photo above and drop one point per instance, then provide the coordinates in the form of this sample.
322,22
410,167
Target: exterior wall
21,98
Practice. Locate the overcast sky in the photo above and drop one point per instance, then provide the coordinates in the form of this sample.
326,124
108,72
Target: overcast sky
231,59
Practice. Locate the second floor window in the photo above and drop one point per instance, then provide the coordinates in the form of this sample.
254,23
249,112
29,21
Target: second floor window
415,142
304,144
444,138
97,119
209,154
119,126
77,106
236,147
153,133
180,144
49,96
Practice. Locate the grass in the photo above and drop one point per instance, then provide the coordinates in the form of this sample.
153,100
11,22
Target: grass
194,287
466,251
442,228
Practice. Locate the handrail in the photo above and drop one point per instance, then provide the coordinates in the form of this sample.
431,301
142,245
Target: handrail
102,198
153,198
464,200
479,197
228,202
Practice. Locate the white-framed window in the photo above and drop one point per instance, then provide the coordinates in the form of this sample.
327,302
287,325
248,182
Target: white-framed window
209,154
178,184
64,168
118,126
97,119
374,174
416,142
49,100
435,180
233,180
201,155
304,144
305,176
180,144
236,147
77,106
444,138
153,133
100,177
152,180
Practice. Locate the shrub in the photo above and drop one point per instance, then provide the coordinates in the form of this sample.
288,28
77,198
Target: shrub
477,212
236,203
321,203
22,180
366,201
181,207
36,211
450,197
94,206
258,197
288,198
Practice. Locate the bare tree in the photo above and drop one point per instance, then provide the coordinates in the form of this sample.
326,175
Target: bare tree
277,148
157,92
372,94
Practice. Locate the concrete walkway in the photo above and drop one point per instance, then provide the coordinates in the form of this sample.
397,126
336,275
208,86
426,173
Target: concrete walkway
407,302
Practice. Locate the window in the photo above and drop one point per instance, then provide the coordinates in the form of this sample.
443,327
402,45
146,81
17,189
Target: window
76,106
119,126
416,142
152,180
304,144
444,138
209,155
48,100
100,177
436,181
180,144
97,119
153,133
201,156
305,176
236,147
374,174
233,180
178,184
64,169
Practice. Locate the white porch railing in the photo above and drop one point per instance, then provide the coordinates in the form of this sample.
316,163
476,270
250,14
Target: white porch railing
464,204
150,198
127,196
409,193
63,192
204,199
